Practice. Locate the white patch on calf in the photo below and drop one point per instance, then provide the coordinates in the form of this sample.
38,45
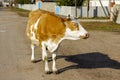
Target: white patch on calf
32,56
51,45
36,24
33,34
82,32
33,37
72,35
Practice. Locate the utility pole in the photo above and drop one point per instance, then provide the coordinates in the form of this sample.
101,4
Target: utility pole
88,8
9,3
75,8
103,8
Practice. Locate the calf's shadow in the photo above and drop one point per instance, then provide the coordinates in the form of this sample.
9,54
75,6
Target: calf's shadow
89,61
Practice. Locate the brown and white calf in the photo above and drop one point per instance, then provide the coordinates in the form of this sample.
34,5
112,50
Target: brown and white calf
48,30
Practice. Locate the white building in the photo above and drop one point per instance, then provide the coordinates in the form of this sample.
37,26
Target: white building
104,2
6,3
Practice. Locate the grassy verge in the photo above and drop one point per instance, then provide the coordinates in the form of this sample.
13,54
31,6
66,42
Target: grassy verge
103,26
21,12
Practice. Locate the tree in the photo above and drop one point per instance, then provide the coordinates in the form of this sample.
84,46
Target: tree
69,2
23,1
15,1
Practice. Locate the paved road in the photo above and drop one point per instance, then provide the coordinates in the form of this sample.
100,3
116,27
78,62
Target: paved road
13,46
97,58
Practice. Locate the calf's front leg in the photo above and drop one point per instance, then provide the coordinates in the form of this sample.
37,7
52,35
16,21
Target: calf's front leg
54,63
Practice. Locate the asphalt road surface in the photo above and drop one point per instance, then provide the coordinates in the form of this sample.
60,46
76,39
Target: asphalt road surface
97,58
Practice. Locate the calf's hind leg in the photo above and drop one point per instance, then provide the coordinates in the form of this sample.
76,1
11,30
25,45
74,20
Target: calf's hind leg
32,56
45,59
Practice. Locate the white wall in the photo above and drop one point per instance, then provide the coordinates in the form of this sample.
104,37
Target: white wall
49,6
94,11
104,2
65,10
30,7
97,3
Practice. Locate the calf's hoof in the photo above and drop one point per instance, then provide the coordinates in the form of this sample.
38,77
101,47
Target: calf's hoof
56,72
33,61
48,72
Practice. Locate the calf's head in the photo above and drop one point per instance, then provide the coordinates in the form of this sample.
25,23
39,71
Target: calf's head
74,30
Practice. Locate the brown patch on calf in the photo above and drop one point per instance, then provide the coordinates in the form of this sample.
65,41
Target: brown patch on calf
33,17
50,26
72,25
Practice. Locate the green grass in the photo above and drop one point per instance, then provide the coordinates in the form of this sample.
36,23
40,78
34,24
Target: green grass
94,18
102,26
21,12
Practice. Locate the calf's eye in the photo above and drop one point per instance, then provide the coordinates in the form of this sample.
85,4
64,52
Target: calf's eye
76,26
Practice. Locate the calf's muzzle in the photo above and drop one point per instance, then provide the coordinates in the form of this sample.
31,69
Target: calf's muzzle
86,36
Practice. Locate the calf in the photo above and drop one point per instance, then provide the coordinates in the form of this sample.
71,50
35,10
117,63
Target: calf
48,30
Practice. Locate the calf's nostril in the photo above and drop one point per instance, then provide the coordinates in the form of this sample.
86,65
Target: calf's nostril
87,35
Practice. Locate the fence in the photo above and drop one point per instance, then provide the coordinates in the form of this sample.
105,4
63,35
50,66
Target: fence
65,10
82,11
49,6
30,7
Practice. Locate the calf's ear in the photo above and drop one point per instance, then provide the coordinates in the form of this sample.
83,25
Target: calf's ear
71,17
68,17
